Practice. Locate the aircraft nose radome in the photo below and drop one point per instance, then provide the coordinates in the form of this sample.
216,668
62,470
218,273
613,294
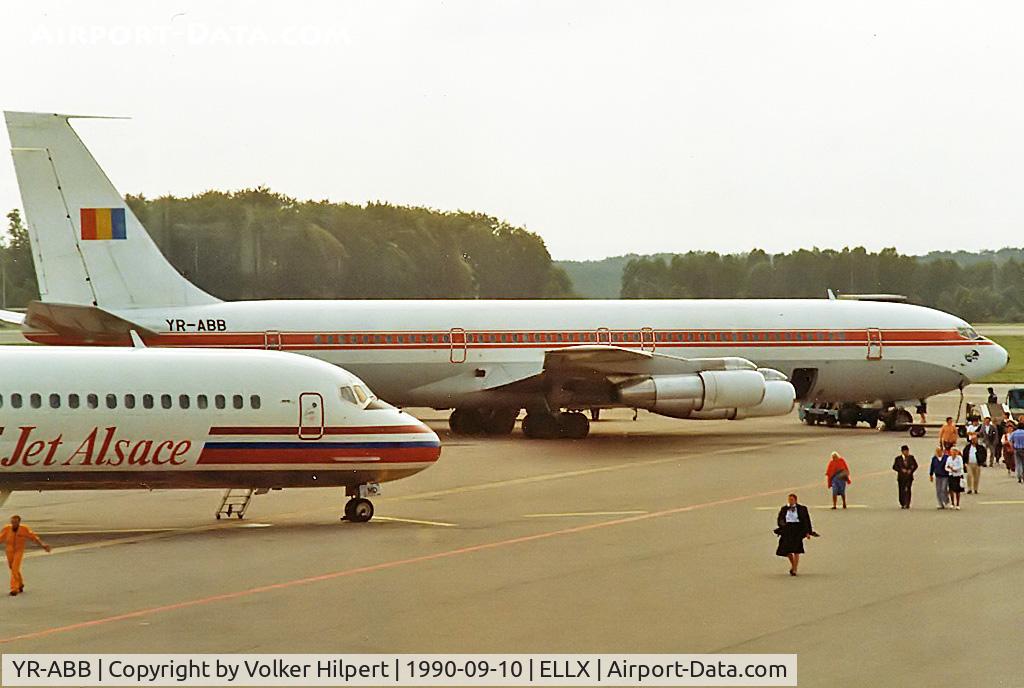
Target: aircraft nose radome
1000,357
993,359
427,438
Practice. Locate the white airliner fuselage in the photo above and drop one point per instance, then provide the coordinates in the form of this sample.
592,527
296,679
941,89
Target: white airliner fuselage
453,353
120,418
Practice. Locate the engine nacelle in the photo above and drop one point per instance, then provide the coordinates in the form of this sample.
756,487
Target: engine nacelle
779,397
679,396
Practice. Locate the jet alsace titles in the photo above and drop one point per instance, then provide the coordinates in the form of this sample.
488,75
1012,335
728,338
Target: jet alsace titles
101,447
100,275
142,418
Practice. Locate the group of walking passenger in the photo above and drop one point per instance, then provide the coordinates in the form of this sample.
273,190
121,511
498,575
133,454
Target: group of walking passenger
953,470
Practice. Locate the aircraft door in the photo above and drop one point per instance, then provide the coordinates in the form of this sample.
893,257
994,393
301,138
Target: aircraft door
647,339
272,340
457,337
874,344
604,336
311,416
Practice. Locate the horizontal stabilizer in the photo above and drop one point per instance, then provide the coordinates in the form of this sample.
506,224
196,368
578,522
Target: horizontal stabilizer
12,318
65,323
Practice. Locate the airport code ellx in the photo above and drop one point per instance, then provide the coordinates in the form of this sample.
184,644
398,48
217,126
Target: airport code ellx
399,670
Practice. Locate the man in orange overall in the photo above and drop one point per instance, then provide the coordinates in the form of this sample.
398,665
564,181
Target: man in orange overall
15,535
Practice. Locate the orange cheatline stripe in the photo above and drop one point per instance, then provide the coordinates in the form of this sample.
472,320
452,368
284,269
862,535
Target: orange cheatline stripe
385,566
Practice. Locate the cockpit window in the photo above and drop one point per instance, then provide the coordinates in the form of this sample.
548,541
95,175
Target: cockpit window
968,333
348,395
361,394
377,404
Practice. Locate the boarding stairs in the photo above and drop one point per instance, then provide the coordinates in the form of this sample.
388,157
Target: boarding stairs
235,502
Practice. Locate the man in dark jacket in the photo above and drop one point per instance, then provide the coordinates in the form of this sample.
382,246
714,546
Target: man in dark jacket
975,455
988,435
904,464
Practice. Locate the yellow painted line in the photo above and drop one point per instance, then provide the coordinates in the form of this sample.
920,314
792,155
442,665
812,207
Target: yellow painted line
815,506
529,480
585,513
129,540
629,465
415,521
1004,501
104,532
513,482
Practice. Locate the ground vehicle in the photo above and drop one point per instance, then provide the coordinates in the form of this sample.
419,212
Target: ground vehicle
849,415
1015,401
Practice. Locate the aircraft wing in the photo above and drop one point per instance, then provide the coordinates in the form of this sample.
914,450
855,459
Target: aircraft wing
605,364
12,318
608,360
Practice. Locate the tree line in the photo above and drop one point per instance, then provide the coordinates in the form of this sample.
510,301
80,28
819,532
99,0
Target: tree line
983,288
258,244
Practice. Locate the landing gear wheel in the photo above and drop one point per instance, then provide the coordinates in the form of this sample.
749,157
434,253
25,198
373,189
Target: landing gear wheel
358,510
541,426
574,426
903,420
898,420
465,421
917,431
500,421
848,416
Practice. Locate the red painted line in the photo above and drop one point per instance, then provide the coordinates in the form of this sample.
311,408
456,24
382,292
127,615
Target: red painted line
388,565
312,455
338,430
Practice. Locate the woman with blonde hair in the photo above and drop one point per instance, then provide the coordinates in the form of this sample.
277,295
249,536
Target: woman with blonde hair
837,477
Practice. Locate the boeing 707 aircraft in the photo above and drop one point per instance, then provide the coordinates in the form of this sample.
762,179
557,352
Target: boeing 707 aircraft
101,275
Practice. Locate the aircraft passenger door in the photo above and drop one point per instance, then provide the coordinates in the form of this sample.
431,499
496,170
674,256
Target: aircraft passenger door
311,416
457,337
647,339
272,340
604,336
874,344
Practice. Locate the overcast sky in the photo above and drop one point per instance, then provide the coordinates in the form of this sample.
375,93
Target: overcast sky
607,128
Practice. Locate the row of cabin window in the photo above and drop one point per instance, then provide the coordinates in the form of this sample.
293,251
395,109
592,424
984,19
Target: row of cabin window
508,338
128,401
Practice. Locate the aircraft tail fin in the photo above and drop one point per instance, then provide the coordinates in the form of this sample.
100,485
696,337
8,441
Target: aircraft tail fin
87,245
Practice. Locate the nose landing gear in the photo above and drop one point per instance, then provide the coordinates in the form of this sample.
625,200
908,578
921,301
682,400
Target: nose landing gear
359,509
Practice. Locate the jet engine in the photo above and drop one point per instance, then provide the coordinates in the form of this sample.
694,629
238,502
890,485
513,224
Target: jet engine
712,395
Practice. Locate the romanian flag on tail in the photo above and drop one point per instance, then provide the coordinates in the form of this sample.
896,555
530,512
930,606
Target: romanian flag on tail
103,223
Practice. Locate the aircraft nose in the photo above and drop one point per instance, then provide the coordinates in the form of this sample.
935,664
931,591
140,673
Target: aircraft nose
993,360
426,440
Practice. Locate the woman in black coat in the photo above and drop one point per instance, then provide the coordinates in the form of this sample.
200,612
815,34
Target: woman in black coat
794,527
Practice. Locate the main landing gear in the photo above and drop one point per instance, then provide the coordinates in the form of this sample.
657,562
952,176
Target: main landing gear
548,426
538,424
483,421
359,509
